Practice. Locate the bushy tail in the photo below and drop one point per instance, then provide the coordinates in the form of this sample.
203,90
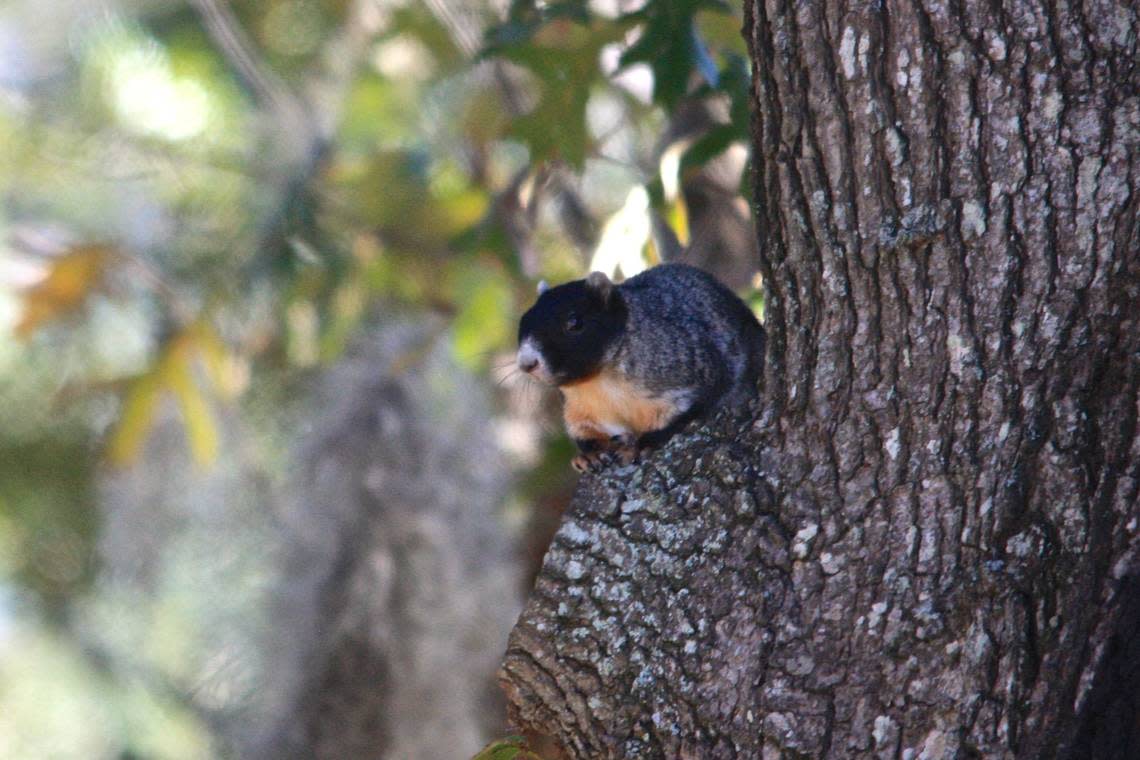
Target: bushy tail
747,387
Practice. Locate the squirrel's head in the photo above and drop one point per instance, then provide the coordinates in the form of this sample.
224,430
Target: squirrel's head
567,334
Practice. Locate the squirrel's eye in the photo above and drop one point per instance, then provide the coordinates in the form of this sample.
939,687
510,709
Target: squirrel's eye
573,323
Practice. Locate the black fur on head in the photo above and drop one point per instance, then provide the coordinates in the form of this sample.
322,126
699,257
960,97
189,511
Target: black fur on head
573,325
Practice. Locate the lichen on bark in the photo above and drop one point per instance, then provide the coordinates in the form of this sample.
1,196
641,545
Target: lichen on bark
649,593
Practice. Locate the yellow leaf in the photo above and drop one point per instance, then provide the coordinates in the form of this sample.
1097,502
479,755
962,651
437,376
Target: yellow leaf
69,280
226,371
174,371
178,375
135,422
678,215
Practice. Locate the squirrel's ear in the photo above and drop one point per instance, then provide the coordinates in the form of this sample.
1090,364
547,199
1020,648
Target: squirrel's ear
600,283
543,286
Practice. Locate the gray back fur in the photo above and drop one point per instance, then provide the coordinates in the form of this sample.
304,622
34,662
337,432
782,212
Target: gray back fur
695,340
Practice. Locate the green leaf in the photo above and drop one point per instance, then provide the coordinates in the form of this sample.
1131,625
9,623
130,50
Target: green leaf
672,47
510,748
562,53
416,20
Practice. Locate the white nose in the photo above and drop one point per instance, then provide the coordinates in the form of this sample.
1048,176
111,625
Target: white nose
528,358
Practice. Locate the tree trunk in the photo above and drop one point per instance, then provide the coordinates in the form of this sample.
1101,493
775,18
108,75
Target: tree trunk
398,580
926,545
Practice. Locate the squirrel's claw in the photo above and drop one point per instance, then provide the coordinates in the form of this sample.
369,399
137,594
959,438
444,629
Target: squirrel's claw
624,452
594,462
624,448
587,462
625,455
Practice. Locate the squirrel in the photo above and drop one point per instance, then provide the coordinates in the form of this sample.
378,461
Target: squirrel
636,360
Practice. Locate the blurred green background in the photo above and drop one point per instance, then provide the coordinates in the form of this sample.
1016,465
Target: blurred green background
206,204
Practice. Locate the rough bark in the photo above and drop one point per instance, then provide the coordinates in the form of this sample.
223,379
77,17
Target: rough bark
926,545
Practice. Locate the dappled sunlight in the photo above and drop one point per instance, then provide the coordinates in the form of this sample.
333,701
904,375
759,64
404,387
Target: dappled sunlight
150,99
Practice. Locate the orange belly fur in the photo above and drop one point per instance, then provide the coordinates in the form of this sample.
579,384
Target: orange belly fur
607,404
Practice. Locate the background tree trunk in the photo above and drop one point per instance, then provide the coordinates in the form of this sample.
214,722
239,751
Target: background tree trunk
926,544
398,580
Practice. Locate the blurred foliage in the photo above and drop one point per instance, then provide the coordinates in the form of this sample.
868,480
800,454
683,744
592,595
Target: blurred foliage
162,248
65,285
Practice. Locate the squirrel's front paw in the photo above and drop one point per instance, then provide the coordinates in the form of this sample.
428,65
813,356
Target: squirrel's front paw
592,461
624,449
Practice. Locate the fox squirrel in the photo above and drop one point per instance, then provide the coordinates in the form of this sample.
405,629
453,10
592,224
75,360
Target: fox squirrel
634,361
